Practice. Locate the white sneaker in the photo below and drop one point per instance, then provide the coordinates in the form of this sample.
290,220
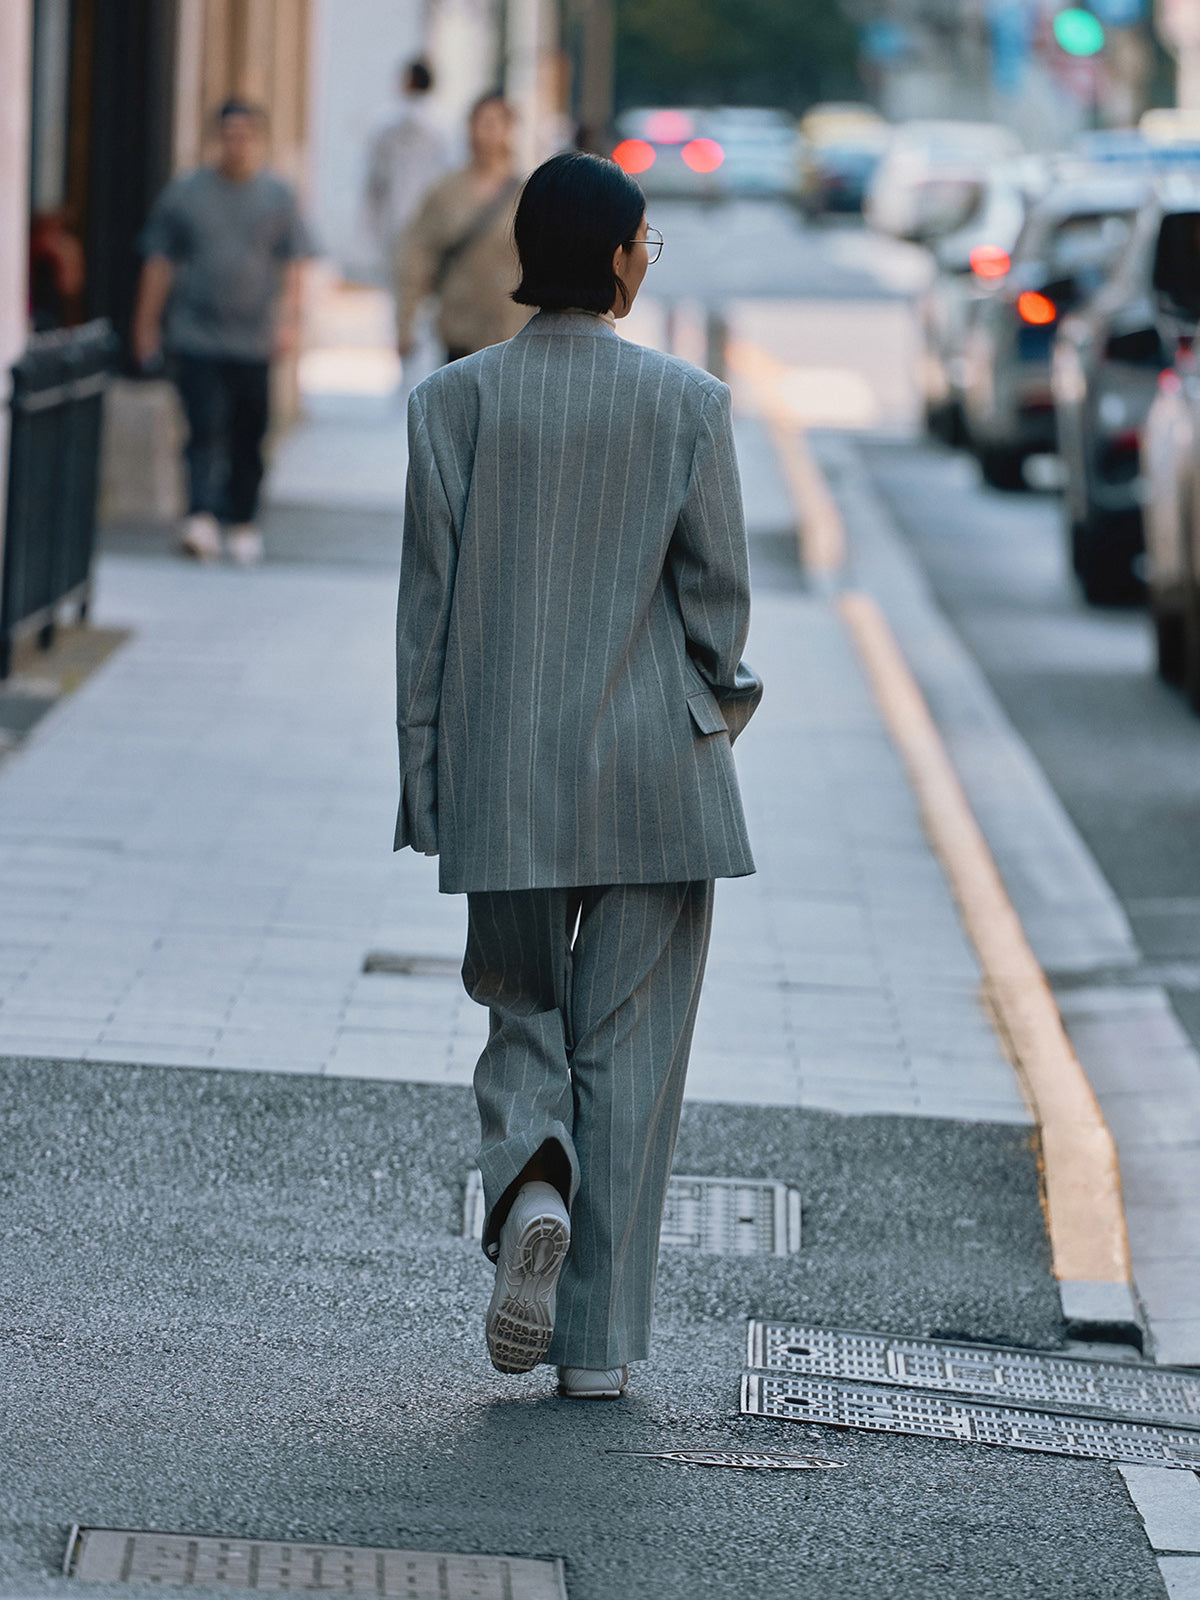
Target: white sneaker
584,1383
533,1246
245,545
200,536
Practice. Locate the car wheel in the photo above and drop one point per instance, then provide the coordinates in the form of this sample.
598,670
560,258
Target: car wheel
1191,647
1102,555
946,423
1002,467
1170,643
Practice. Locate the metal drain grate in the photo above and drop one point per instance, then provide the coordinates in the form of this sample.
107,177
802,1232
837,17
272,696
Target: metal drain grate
1129,1391
397,965
720,1216
880,1410
732,1216
179,1561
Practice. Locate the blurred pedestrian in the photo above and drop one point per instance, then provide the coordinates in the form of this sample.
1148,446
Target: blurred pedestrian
459,246
407,156
222,251
574,598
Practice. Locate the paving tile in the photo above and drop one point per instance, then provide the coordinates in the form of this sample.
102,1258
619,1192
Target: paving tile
144,1055
1180,1574
42,1047
1176,1341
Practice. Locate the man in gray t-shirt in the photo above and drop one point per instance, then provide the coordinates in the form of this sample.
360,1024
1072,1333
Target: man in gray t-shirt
220,289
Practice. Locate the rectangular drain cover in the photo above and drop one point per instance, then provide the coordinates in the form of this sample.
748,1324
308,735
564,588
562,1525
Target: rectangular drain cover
876,1409
1119,1389
721,1216
178,1561
398,965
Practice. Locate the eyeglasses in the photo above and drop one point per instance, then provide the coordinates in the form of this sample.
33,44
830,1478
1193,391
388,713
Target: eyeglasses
653,241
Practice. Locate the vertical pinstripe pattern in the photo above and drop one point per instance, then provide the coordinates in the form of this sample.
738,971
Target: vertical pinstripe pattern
588,1046
574,599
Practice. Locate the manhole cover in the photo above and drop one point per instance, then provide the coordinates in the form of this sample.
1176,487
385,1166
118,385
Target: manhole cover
881,1410
721,1216
178,1561
727,1458
1123,1390
398,965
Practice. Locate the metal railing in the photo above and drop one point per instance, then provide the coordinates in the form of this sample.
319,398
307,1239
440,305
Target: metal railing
53,471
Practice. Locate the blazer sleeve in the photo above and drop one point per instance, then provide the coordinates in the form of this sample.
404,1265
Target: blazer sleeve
427,568
711,566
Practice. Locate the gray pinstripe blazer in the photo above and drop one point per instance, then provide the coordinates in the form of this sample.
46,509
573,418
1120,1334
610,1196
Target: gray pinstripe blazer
574,599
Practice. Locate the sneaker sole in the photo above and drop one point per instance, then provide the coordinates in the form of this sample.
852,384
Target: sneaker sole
520,1324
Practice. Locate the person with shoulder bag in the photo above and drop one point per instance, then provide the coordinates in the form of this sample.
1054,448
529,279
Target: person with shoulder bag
458,247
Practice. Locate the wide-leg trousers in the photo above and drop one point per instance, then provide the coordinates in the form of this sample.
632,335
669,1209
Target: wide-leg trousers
593,995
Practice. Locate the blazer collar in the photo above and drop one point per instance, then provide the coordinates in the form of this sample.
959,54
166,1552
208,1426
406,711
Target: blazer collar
580,323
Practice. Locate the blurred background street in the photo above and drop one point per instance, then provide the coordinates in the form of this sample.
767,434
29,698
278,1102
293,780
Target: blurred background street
947,1066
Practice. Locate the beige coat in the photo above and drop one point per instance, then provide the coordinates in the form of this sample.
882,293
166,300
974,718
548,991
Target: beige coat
474,308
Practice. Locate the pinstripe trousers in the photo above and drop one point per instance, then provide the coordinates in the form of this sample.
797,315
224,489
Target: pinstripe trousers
588,1047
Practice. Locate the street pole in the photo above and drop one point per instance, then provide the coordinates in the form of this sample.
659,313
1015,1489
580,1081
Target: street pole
1178,24
596,75
531,45
16,48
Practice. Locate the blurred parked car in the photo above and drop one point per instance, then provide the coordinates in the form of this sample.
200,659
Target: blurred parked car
1107,361
758,145
671,153
930,178
1066,248
840,145
967,263
1171,465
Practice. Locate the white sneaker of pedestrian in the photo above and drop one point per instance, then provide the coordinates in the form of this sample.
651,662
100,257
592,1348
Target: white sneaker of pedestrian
584,1383
245,545
200,536
533,1246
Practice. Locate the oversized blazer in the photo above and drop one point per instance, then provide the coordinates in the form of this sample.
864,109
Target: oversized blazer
574,600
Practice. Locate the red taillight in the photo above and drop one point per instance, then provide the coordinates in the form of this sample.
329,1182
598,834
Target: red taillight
1036,309
989,261
1169,381
634,155
1128,441
702,155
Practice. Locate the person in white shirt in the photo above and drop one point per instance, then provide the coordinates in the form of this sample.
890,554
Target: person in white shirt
407,156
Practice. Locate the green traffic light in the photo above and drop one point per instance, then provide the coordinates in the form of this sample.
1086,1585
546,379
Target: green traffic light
1078,32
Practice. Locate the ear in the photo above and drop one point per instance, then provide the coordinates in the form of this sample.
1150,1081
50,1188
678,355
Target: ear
620,256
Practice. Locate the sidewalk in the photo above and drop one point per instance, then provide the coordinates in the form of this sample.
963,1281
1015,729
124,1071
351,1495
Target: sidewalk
241,1302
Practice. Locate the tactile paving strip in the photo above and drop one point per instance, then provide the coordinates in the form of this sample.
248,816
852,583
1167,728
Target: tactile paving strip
180,1561
720,1216
1127,1391
880,1410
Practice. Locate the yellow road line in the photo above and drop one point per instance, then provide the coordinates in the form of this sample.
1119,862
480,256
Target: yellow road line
820,529
1085,1212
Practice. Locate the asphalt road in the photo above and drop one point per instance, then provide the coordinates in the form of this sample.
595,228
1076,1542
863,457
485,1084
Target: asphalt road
1119,746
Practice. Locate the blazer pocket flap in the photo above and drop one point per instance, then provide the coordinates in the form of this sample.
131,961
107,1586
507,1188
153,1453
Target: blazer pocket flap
706,713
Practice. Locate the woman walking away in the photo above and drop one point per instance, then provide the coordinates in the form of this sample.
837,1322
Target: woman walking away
458,247
574,599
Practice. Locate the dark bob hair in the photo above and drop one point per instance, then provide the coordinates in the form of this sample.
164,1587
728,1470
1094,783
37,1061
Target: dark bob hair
573,213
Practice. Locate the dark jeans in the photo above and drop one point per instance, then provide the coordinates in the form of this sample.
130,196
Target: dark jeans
226,405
